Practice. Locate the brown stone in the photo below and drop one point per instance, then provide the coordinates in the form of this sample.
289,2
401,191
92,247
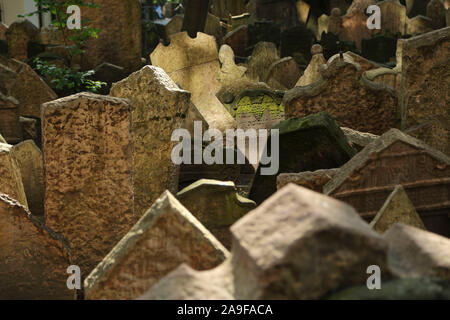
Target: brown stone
283,74
30,129
9,119
358,139
397,209
10,177
31,165
88,163
425,85
263,56
166,236
238,40
18,35
33,258
3,30
436,12
312,180
158,108
394,17
312,72
354,23
419,25
368,178
351,99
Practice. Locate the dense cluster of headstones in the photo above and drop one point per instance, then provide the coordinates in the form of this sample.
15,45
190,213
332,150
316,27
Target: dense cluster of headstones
364,168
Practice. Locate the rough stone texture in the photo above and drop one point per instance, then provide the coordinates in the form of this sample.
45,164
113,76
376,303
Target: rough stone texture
194,65
166,236
348,96
18,35
307,144
397,209
283,74
419,25
312,72
368,178
393,17
263,56
417,253
9,119
436,12
119,42
238,40
88,162
30,129
33,259
10,177
358,139
158,108
217,205
312,180
31,165
354,23
425,86
3,30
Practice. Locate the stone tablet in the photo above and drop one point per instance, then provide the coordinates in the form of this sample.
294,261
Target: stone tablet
419,25
18,35
436,12
88,162
158,108
166,236
263,56
9,119
31,165
311,180
348,96
10,177
33,258
366,181
283,74
425,85
312,72
305,144
394,17
358,140
217,205
194,65
397,209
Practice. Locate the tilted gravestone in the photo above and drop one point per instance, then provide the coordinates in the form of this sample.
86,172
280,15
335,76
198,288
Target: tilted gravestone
9,119
88,162
367,179
166,236
18,35
10,177
33,258
158,108
312,180
263,55
283,74
305,144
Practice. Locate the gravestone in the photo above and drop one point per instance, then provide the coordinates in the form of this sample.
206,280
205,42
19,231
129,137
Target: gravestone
424,86
311,180
305,144
217,205
18,36
31,165
33,258
88,163
158,108
366,181
194,65
263,56
283,74
166,236
419,25
296,42
240,20
229,71
394,17
10,177
354,23
283,12
312,72
322,23
397,209
237,40
358,140
416,7
9,119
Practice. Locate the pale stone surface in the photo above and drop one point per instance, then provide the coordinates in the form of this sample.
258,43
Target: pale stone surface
31,165
88,163
229,71
418,25
314,180
166,236
358,139
158,108
10,177
217,205
417,253
33,259
312,72
18,35
194,65
397,209
283,74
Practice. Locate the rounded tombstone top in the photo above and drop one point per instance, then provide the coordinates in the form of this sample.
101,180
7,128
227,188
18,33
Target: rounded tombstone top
336,12
316,49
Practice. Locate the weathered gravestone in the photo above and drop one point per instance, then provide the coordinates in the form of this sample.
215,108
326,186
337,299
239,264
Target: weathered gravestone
18,35
9,119
312,180
217,205
88,162
312,72
33,259
419,25
119,42
158,108
393,17
347,96
397,209
296,42
367,179
263,56
31,165
166,236
283,12
237,40
10,177
194,65
31,129
305,144
425,85
283,74
358,140
279,242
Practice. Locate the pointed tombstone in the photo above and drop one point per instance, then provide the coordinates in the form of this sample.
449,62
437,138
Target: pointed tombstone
217,205
351,99
263,56
158,108
312,72
9,119
33,258
18,35
10,177
165,236
424,92
279,242
305,144
415,253
283,74
194,65
229,71
88,162
322,25
366,181
397,209
436,12
312,180
31,165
